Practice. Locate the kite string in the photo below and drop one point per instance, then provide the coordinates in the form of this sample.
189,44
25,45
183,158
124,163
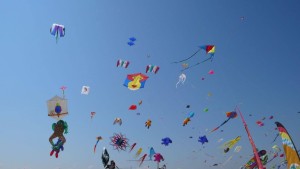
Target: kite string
188,57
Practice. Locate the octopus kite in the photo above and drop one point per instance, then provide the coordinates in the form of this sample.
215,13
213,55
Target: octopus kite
119,142
182,78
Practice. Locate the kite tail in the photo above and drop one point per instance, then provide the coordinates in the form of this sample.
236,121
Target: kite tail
188,57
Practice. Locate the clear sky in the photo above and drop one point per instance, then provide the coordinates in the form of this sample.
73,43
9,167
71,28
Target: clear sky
256,67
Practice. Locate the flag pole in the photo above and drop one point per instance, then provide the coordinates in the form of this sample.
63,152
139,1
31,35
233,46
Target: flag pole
258,161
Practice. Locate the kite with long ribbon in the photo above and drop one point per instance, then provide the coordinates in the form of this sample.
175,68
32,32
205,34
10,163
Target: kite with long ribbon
230,115
95,146
57,31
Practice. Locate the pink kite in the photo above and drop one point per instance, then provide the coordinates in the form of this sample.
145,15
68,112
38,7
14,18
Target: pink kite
211,72
158,157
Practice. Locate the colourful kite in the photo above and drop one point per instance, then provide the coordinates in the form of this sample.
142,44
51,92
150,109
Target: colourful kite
229,144
119,142
251,164
57,31
152,68
209,49
292,157
57,109
230,115
95,146
148,123
166,141
135,81
188,119
182,78
122,63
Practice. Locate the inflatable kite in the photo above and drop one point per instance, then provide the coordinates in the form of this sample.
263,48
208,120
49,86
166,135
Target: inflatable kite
152,152
158,157
132,146
142,159
229,144
135,81
131,41
148,123
57,31
119,142
182,78
138,153
166,141
203,139
105,157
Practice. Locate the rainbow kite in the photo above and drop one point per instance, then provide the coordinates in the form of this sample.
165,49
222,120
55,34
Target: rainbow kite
292,157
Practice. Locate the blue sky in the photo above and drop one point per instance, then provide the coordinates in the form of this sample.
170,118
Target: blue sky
256,67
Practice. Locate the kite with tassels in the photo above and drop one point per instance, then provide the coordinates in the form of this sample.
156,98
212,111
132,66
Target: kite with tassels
122,63
152,68
57,31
